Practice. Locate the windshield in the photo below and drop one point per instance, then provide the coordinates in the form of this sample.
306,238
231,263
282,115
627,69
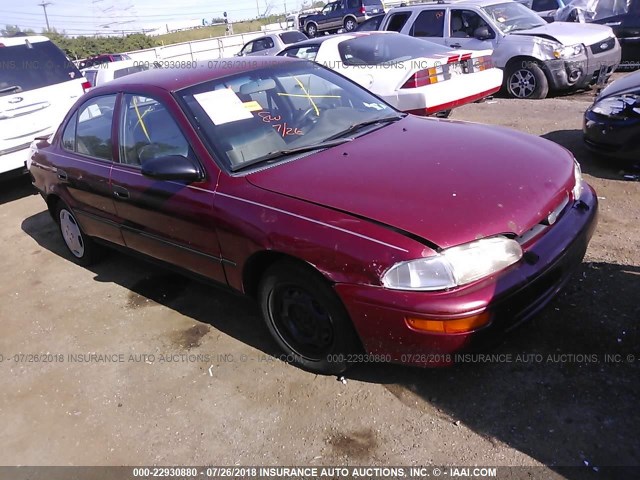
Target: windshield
33,65
270,112
512,16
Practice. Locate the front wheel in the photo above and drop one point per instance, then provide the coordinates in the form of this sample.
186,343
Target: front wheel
312,30
526,80
307,319
83,248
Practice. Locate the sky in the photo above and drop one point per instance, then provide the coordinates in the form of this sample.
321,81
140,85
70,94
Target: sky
90,17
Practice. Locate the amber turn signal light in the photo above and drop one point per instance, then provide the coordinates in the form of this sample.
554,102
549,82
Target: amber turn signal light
459,325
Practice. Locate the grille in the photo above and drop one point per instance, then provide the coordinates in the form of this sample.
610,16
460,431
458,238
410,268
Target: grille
603,46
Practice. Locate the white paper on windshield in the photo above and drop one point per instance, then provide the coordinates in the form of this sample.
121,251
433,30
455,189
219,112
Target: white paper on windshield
222,106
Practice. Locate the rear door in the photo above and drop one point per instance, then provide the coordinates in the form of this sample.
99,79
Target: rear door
167,220
38,85
428,24
83,167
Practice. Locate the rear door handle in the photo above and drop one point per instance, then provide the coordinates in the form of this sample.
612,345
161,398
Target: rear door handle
455,45
62,175
120,192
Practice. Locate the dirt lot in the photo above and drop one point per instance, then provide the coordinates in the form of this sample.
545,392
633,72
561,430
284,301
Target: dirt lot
191,379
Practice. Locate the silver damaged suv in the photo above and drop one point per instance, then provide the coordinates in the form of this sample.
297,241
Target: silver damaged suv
536,56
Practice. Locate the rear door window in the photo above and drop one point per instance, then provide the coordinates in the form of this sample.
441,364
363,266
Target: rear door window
397,21
33,65
430,23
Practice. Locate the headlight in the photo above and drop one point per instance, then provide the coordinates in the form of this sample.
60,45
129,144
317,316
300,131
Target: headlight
454,266
568,52
619,107
577,175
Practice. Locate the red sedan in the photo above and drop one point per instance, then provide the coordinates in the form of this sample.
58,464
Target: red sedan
364,233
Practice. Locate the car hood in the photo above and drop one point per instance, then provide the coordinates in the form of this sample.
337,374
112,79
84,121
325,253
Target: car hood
627,84
569,33
446,182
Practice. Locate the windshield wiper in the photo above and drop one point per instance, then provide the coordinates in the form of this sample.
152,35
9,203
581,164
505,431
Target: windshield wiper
11,89
290,151
357,126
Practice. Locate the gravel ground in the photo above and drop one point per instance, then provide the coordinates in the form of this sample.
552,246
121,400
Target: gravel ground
191,379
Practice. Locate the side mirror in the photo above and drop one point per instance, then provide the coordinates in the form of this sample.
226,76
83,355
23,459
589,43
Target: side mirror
483,33
171,167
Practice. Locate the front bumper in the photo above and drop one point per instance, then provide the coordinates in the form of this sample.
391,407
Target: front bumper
584,70
610,137
515,295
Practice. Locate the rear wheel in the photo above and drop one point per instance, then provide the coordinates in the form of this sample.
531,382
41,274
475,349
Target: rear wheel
83,248
350,24
526,80
312,30
306,318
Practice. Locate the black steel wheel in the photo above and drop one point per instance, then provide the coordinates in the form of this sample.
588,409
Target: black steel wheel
306,318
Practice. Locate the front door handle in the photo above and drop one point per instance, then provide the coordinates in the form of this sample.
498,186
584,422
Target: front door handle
120,192
455,45
62,175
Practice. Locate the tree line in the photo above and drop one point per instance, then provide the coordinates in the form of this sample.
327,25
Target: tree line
83,47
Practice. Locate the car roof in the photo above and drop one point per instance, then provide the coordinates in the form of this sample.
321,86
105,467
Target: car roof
20,40
440,4
173,79
342,36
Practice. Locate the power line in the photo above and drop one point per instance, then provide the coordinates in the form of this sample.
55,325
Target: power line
167,15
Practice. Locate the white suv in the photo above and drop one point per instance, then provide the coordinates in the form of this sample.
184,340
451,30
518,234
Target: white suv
38,85
536,56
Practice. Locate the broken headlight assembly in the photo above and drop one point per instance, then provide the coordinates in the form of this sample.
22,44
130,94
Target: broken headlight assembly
559,51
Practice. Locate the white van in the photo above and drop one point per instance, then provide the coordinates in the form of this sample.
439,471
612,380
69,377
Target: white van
38,85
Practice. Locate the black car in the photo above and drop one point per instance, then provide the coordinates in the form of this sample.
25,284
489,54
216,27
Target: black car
612,124
340,14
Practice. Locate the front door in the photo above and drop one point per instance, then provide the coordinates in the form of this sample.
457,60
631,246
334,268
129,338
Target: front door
84,159
464,27
167,220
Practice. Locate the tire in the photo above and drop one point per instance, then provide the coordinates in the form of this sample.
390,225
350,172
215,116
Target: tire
526,80
311,30
306,318
350,24
82,248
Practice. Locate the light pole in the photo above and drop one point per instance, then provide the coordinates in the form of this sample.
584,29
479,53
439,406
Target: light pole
44,7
